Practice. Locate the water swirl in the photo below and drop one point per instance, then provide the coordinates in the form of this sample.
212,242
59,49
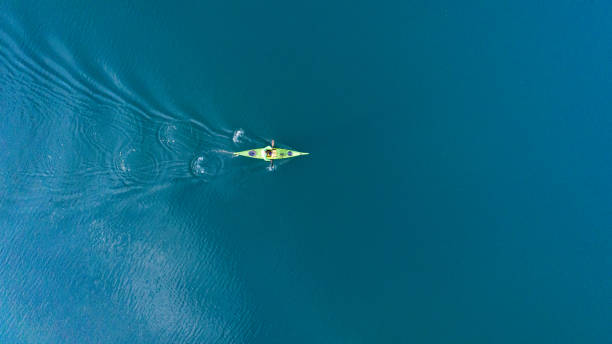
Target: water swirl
137,167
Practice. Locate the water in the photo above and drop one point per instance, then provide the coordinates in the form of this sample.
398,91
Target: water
458,187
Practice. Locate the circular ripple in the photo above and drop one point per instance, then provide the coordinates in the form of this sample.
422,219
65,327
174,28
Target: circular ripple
178,137
207,165
238,134
136,167
105,137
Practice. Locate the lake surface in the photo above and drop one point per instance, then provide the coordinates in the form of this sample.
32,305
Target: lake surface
457,191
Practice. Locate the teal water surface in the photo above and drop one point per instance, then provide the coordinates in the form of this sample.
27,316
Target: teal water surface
457,190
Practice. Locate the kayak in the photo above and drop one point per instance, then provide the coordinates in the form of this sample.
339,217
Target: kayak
277,153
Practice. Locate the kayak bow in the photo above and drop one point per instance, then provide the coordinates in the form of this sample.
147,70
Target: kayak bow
277,153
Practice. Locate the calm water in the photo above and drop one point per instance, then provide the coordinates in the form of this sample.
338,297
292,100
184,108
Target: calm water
457,191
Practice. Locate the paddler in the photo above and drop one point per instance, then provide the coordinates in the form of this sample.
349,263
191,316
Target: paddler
271,154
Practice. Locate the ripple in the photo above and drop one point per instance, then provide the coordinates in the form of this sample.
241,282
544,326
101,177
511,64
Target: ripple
105,137
178,137
136,167
207,165
238,134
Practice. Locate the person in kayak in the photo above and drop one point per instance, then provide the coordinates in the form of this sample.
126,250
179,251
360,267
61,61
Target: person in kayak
270,153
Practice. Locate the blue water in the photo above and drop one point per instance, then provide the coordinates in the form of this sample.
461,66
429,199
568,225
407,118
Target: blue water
457,191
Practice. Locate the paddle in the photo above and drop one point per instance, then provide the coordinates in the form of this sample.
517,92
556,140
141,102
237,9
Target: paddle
272,160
